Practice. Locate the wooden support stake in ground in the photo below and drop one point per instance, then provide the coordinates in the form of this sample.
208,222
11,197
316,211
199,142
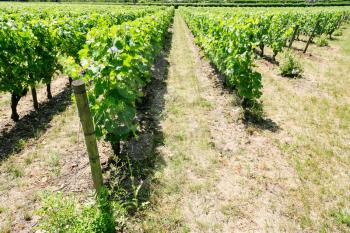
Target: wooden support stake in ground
293,36
89,132
312,34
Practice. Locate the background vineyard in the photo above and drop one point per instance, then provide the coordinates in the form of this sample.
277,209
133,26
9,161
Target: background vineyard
233,3
119,52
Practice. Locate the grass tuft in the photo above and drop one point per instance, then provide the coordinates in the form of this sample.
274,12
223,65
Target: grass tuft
290,66
15,170
322,41
342,216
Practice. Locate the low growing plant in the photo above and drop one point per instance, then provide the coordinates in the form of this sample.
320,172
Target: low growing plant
338,33
290,66
322,41
342,216
65,214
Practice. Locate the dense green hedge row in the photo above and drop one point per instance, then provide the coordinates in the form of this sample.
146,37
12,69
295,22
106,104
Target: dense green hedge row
112,48
217,3
262,4
35,40
115,64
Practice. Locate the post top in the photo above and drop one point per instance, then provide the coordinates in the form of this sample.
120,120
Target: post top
78,86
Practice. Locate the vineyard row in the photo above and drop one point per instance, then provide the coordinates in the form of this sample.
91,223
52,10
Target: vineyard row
229,37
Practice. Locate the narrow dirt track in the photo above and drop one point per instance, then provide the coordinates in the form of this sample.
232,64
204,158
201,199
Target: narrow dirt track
218,177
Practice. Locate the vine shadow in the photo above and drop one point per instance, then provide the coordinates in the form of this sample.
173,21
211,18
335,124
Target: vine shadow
33,124
258,119
269,58
129,177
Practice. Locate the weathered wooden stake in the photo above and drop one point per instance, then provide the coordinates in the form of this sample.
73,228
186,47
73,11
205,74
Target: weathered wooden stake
312,34
293,36
89,132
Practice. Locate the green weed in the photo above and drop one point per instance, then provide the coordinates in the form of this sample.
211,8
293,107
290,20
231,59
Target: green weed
338,33
15,170
290,66
27,216
19,146
66,214
53,161
322,41
2,209
342,216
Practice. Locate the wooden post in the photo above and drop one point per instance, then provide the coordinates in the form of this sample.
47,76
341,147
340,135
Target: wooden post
312,34
89,132
293,36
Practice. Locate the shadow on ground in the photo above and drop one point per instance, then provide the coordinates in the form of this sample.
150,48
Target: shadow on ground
270,59
258,54
33,124
259,121
129,177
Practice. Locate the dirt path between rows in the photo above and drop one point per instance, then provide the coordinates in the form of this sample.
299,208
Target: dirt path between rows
219,176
